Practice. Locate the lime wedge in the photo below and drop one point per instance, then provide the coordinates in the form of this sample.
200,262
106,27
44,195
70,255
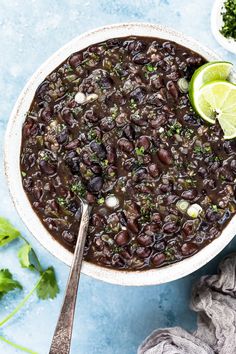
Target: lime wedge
217,101
215,70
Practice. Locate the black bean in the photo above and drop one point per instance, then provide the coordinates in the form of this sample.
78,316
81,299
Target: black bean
140,58
144,141
96,168
111,153
202,172
188,228
189,248
47,168
99,149
225,217
153,170
170,227
143,252
145,240
72,145
229,147
122,238
151,229
138,95
157,81
173,89
125,145
140,174
154,99
30,128
233,166
68,237
190,194
68,117
107,124
90,198
129,132
63,136
134,46
165,156
42,90
166,187
121,119
91,116
73,206
76,59
47,114
191,119
169,47
158,259
156,217
122,218
95,184
212,215
132,225
117,261
98,220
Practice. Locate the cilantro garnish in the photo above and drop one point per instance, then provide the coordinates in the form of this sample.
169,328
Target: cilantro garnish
7,232
7,283
150,68
46,287
139,151
78,188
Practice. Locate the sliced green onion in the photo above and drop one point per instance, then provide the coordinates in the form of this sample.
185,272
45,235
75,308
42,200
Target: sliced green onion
182,205
183,85
194,210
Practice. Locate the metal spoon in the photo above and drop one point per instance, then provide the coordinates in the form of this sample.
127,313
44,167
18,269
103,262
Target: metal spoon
62,336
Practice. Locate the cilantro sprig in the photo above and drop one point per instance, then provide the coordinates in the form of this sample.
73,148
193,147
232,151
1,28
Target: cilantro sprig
46,286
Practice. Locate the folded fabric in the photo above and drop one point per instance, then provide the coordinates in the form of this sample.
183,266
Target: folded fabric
214,299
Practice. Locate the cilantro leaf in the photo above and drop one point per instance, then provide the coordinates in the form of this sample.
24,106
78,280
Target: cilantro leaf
7,232
7,283
47,287
28,258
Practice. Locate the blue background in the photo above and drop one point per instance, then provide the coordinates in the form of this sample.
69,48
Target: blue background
110,319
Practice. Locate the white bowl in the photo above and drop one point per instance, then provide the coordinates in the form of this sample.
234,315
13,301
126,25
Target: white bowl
12,166
216,25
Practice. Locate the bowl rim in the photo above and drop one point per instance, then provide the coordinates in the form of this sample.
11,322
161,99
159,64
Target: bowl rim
13,175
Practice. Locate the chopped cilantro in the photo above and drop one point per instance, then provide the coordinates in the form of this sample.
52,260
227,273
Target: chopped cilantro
23,173
101,201
199,150
92,134
104,163
132,104
114,111
169,253
139,151
117,249
78,188
150,68
174,129
214,207
61,201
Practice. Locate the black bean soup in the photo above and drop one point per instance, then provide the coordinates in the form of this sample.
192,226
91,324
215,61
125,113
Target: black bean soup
111,124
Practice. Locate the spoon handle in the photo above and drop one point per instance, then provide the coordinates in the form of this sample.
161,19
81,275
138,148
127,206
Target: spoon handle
62,336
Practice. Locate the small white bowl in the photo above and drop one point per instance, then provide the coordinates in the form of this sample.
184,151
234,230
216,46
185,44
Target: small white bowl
12,162
216,25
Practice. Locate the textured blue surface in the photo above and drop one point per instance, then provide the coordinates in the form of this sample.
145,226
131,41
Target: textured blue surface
110,319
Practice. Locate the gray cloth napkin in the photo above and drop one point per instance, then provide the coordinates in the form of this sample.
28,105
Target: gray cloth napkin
214,299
